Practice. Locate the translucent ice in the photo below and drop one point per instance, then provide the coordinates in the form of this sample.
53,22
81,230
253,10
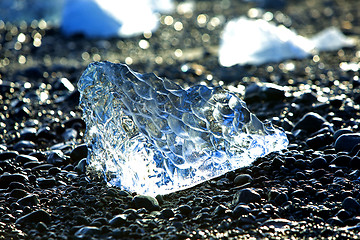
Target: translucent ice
248,41
149,135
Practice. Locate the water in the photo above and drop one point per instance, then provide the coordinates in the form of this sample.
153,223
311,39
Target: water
147,134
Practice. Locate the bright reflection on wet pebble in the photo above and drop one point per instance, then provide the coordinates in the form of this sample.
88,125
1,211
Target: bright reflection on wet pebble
144,44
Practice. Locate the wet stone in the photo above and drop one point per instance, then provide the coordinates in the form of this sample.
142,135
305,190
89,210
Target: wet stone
82,220
221,210
56,157
25,158
60,148
167,213
342,161
278,223
46,182
242,179
118,220
75,122
281,199
246,195
311,122
87,231
343,214
29,200
240,210
336,102
18,193
272,194
69,134
79,152
36,216
339,173
63,84
124,193
355,151
45,133
21,112
17,185
81,166
351,205
147,202
264,92
54,170
31,164
277,163
355,162
335,221
346,142
6,179
298,193
340,132
41,227
319,163
8,155
307,98
318,173
319,141
185,209
321,194
28,133
44,166
132,216
69,167
24,145
100,221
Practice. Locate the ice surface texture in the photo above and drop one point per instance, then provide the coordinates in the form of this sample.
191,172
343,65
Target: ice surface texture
149,135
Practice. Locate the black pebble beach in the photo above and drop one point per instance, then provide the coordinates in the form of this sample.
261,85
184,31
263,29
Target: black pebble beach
309,190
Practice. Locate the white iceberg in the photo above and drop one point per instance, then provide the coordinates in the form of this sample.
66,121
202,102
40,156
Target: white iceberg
107,18
93,18
331,39
247,41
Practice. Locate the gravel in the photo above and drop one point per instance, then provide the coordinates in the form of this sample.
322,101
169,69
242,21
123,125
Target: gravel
310,190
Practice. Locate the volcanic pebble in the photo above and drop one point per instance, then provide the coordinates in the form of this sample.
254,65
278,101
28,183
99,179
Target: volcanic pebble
346,142
36,216
147,202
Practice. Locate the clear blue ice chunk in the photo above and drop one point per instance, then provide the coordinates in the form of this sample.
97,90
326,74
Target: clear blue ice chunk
149,135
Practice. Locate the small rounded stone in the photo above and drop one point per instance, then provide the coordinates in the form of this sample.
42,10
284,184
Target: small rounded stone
147,202
242,179
346,142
